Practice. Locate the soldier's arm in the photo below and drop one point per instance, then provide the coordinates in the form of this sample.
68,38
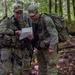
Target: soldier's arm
53,32
4,28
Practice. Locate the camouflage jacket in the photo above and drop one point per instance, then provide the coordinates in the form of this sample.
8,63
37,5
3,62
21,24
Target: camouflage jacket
7,27
46,34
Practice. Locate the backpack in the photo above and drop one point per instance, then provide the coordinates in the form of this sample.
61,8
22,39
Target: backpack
60,25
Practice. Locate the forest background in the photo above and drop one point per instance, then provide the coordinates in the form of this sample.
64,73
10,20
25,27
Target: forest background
65,8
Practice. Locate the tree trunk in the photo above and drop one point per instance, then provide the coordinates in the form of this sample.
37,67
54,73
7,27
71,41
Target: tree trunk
32,2
73,2
4,7
55,6
50,6
60,7
68,10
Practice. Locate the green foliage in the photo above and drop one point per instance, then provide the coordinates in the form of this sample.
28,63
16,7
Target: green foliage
43,7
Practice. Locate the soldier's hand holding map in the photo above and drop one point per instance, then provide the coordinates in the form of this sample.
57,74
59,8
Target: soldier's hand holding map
26,32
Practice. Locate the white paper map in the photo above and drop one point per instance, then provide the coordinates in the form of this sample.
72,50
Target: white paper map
26,32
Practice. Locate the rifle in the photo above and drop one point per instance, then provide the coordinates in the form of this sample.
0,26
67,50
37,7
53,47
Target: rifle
29,48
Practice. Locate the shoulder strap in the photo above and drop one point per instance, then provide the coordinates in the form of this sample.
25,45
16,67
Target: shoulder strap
16,23
44,28
27,19
42,22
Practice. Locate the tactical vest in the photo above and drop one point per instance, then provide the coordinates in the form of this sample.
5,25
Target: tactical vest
17,25
14,40
5,36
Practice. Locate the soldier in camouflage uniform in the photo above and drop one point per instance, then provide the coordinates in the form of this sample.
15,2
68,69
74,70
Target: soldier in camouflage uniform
45,40
11,43
6,66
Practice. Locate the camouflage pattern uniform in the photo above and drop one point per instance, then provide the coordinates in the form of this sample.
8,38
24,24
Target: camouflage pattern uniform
6,29
47,63
25,52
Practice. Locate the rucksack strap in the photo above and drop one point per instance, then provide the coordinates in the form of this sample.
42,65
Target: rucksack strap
27,19
43,24
16,23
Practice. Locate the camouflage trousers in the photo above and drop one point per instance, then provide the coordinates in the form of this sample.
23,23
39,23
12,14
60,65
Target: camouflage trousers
47,63
7,67
25,63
